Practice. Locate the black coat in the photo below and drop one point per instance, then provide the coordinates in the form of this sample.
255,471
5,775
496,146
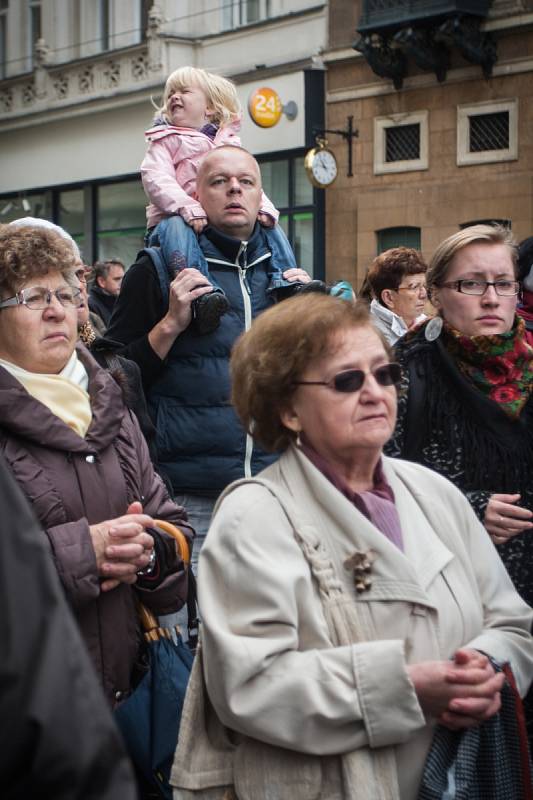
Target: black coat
57,737
101,303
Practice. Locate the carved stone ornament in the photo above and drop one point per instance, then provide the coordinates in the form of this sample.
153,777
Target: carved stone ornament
6,100
139,67
86,80
360,563
60,85
28,94
112,74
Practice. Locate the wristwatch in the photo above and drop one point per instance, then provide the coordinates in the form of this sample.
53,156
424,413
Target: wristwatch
149,568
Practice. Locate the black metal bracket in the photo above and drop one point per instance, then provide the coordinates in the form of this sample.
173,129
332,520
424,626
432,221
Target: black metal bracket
348,134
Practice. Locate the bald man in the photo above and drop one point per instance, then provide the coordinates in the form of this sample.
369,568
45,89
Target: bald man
202,446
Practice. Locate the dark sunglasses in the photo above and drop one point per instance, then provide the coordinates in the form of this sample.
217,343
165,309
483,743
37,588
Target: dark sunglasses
352,379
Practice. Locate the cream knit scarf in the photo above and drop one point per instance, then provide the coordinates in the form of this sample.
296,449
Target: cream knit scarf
64,394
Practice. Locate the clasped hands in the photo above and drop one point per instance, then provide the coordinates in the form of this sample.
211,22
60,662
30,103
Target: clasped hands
122,546
461,693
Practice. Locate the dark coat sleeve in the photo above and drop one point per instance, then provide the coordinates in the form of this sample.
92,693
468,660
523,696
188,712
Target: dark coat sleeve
57,737
138,309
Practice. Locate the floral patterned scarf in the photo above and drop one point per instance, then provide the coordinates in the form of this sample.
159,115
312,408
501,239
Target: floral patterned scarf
499,365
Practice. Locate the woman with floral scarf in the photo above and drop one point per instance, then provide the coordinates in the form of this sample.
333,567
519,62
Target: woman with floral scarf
466,409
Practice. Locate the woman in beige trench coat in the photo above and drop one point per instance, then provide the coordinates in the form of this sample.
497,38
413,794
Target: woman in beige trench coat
349,601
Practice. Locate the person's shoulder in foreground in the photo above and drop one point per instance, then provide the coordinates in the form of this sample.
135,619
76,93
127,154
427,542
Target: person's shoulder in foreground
57,739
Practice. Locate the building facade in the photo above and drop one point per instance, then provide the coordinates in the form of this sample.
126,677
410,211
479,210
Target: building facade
78,83
441,96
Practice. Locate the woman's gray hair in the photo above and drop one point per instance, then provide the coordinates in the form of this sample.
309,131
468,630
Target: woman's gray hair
445,252
36,222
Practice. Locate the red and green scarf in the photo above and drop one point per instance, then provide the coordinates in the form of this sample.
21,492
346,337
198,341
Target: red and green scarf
500,365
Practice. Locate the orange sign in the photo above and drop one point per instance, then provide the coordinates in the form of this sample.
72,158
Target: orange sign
265,107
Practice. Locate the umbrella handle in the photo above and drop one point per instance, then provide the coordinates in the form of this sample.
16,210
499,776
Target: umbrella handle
182,543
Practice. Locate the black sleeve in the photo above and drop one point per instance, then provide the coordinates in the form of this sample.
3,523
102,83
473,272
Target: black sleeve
57,735
138,309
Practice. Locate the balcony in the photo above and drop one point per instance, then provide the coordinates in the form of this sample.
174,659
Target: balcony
394,33
387,16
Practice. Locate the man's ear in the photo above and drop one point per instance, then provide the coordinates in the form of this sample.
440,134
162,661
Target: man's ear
97,281
387,298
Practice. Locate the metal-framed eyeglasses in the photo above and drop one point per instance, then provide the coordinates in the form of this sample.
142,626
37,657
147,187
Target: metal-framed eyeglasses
351,380
417,288
82,273
503,288
38,298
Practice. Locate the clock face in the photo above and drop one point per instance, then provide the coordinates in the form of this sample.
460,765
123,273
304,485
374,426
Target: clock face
324,167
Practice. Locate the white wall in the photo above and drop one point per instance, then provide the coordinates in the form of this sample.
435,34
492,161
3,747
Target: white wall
92,146
110,143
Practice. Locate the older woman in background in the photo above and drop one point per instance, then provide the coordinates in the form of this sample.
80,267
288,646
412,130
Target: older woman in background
349,601
397,279
78,454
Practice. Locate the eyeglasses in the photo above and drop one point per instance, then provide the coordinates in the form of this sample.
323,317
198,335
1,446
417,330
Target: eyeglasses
468,286
351,380
37,297
414,287
82,273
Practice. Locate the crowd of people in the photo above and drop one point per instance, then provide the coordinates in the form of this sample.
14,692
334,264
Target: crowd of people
359,516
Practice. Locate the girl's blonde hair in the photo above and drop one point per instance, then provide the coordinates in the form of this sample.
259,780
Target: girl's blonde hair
221,93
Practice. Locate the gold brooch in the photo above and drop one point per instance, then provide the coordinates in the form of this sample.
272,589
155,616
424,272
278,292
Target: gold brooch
361,564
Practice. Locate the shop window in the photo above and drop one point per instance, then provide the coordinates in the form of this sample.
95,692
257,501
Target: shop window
274,175
487,132
398,237
121,221
401,143
286,184
71,214
25,205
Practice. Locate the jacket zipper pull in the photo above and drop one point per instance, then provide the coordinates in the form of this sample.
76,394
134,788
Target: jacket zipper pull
245,280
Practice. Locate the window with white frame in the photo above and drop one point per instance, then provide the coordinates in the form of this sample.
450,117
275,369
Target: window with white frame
34,28
4,4
487,132
244,12
401,143
103,14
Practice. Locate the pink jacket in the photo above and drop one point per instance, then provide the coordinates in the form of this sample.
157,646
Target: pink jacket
169,169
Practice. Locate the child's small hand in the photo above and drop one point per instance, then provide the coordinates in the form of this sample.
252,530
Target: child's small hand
265,220
198,224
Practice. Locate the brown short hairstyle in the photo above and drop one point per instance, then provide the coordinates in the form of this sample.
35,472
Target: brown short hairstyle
28,252
101,268
275,352
445,252
388,270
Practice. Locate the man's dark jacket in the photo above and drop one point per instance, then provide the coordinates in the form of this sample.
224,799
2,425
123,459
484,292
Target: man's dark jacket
201,444
101,303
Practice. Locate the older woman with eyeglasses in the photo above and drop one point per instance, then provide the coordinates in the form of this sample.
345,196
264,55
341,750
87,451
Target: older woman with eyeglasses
78,453
397,279
349,601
